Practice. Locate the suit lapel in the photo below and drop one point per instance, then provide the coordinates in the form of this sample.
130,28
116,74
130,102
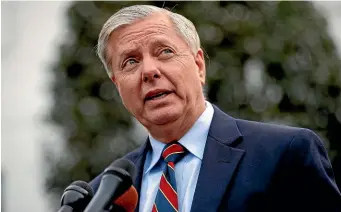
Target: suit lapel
219,163
139,163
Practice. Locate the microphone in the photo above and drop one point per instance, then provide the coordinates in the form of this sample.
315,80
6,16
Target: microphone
76,197
127,202
116,180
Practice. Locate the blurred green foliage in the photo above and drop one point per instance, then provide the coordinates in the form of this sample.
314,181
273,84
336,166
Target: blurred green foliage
267,61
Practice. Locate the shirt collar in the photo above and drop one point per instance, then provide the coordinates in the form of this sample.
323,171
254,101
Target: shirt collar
194,140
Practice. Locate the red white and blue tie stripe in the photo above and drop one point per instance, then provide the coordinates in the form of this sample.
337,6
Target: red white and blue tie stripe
167,198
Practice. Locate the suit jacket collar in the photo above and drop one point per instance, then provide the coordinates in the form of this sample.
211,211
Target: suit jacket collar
224,127
220,160
139,163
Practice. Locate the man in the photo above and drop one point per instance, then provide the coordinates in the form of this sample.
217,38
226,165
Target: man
153,57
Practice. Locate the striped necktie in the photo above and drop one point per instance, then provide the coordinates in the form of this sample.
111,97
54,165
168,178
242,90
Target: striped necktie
167,198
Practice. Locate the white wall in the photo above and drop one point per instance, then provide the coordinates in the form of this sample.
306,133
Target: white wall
31,32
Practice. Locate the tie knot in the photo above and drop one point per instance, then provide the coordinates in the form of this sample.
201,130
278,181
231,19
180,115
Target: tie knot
173,152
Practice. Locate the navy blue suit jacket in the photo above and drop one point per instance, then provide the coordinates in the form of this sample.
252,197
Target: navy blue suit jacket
252,166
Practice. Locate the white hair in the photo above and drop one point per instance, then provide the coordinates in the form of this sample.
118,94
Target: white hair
131,14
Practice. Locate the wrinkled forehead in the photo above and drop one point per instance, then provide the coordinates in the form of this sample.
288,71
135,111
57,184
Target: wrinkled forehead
156,28
137,34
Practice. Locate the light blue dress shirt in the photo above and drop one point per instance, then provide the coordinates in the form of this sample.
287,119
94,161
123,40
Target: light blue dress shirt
186,170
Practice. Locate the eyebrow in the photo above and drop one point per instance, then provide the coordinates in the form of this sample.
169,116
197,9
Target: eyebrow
127,52
156,42
161,42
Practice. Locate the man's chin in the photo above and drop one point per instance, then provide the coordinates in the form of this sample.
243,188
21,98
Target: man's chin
163,118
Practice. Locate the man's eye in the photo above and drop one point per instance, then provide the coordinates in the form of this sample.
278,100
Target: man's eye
167,51
130,61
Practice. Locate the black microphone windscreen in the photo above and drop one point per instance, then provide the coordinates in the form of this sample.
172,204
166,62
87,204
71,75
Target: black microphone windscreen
76,196
85,186
116,179
124,164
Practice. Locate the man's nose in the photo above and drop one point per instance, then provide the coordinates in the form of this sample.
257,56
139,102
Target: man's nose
150,71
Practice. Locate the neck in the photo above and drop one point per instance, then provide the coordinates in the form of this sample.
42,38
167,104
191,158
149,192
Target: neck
176,130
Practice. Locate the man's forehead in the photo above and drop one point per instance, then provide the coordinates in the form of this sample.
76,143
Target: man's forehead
156,29
150,24
144,34
137,34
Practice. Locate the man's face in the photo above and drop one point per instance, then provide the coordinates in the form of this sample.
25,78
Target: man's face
157,75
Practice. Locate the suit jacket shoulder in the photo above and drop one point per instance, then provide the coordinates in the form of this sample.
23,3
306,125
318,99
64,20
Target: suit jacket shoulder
254,166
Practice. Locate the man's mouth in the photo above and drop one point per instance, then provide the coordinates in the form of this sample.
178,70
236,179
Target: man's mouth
157,96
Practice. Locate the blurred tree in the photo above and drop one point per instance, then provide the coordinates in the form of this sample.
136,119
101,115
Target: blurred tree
268,61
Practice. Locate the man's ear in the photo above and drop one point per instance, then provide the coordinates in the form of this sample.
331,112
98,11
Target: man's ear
200,61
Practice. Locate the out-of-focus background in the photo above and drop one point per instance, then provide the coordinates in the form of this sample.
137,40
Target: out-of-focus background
62,119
